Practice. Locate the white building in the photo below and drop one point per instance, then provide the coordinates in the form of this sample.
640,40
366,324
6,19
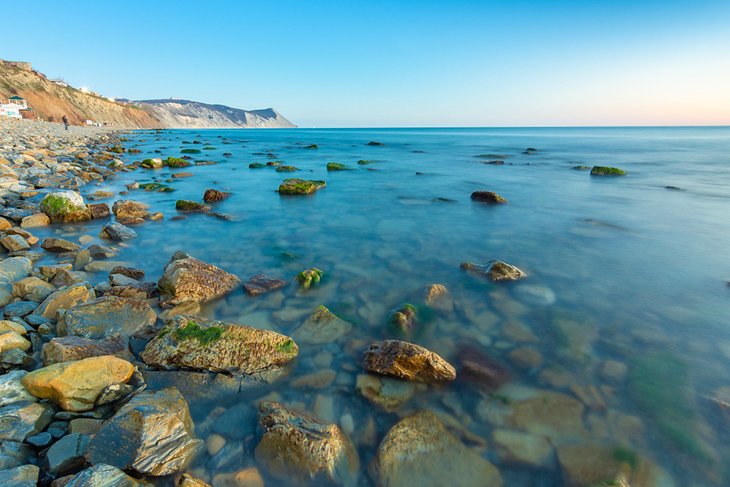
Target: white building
12,107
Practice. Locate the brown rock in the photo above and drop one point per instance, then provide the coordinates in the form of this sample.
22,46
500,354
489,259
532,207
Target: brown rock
487,197
407,361
37,220
438,297
130,212
495,270
69,348
14,243
189,279
213,195
261,283
480,369
53,244
98,210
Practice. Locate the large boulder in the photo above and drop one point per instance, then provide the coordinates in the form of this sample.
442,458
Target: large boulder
65,206
65,298
198,343
22,476
75,386
407,361
150,435
68,348
108,315
130,212
420,451
33,289
322,326
188,279
302,450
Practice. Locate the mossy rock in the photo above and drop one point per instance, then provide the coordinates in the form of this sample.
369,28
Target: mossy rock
134,151
311,146
607,171
187,205
190,151
256,165
287,169
159,187
210,147
364,162
117,149
309,278
154,163
273,164
405,319
582,168
336,166
175,162
296,186
64,207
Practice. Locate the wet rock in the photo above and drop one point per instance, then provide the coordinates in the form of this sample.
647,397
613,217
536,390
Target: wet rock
407,361
520,448
130,212
212,195
75,386
53,244
102,475
11,340
64,299
14,243
296,186
419,451
526,357
322,326
389,394
66,456
33,289
481,370
108,315
436,296
40,440
68,348
150,435
487,197
188,279
12,390
14,454
137,274
303,450
309,277
22,476
153,163
336,166
607,171
495,270
588,464
34,221
117,232
249,477
64,207
101,252
21,420
261,283
99,210
191,206
198,343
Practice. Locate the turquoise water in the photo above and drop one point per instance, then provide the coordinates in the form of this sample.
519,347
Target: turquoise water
619,269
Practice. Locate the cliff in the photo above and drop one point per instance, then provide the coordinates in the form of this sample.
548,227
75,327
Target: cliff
192,114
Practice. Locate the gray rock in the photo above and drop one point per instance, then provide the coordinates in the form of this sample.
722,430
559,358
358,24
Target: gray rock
14,243
40,440
12,391
108,315
14,454
66,456
117,232
55,244
260,284
14,268
19,309
21,420
102,475
23,476
322,326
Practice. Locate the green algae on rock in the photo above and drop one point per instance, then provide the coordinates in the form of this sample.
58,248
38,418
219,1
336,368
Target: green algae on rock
296,186
287,169
336,166
607,171
405,319
256,165
309,277
65,207
187,205
489,197
190,151
152,163
175,162
201,344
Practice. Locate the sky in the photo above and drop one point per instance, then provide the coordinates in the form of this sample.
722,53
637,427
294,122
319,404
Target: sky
382,63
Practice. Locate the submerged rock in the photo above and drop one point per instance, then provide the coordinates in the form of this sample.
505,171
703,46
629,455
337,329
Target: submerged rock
187,205
65,349
108,315
387,393
189,279
130,212
64,207
309,277
75,386
437,296
588,464
407,361
260,284
607,171
212,195
487,197
336,166
420,451
150,435
304,450
405,319
294,186
117,232
322,326
495,270
198,343
481,370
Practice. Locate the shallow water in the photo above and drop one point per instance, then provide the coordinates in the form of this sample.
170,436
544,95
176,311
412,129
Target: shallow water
619,269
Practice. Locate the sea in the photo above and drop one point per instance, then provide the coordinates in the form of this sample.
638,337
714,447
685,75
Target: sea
621,327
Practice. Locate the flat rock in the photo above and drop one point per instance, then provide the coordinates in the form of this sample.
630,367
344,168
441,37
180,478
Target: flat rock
420,451
150,435
387,393
68,348
407,361
12,390
14,243
22,476
521,448
130,212
102,475
33,289
66,456
299,448
54,244
108,315
34,221
202,344
589,464
495,270
76,386
188,279
64,299
20,420
322,326
260,284
117,232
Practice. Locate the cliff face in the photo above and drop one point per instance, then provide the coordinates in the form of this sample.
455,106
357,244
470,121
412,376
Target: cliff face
51,101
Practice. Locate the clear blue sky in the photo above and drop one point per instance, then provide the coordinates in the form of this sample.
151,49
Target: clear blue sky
396,63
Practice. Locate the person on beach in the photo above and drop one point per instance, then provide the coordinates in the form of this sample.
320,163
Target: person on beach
65,122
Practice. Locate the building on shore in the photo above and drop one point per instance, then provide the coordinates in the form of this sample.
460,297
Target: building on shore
14,107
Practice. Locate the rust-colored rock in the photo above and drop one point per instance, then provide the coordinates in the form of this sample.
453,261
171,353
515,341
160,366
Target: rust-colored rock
407,361
189,279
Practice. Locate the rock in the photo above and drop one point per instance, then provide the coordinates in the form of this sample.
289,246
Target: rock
526,357
336,166
483,371
14,454
198,343
33,289
65,207
438,297
535,295
249,477
154,163
518,447
614,371
188,279
137,274
7,325
34,221
296,186
68,348
19,309
189,481
190,206
13,269
41,440
14,243
389,394
405,319
303,450
420,451
606,171
66,456
117,232
75,386
495,270
5,224
21,420
99,210
407,361
11,340
150,435
261,283
53,244
107,315
23,476
212,195
321,327
102,475
309,277
588,464
130,212
101,252
12,390
64,299
487,197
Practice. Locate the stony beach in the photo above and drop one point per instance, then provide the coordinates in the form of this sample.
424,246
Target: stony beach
102,370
